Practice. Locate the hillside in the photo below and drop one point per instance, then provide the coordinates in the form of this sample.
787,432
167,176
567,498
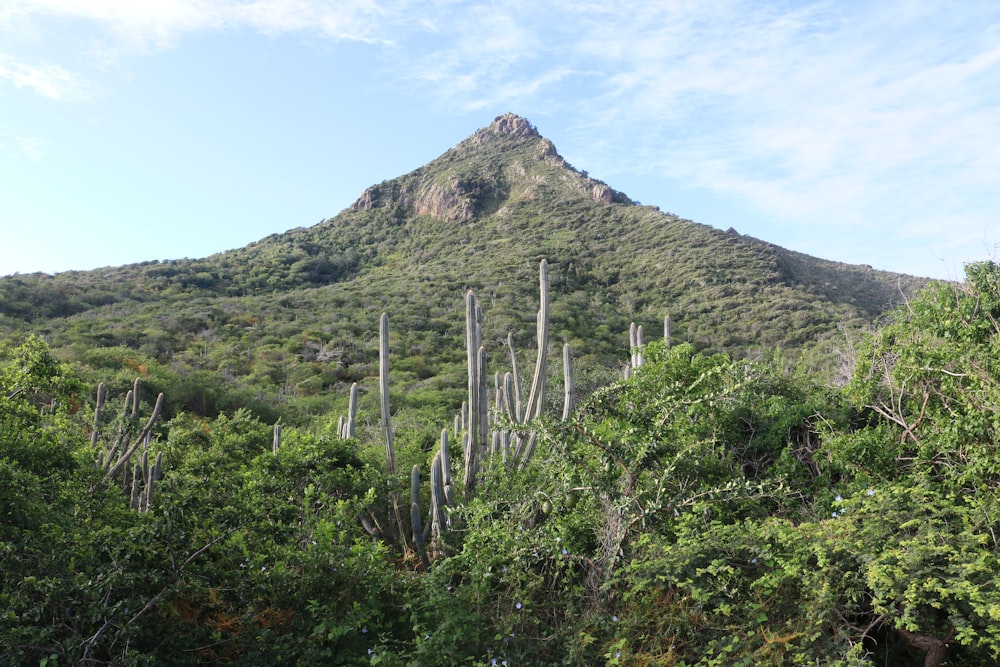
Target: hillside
294,315
204,505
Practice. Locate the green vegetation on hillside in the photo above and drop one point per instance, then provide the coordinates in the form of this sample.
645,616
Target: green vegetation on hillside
706,511
284,326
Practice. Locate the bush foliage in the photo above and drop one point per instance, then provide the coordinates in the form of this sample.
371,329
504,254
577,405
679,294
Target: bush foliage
707,510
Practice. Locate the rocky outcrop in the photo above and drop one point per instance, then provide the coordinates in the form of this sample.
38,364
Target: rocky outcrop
602,194
445,202
512,125
366,201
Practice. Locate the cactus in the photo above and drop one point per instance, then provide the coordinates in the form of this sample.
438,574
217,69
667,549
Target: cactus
518,413
123,459
484,403
350,427
472,421
567,381
134,502
438,503
445,460
276,440
136,482
383,379
640,343
390,451
99,405
418,531
666,329
536,398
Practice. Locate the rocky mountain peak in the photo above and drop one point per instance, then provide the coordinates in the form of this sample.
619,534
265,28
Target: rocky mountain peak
512,125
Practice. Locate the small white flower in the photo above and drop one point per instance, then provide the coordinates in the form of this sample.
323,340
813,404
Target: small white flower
871,492
837,499
517,606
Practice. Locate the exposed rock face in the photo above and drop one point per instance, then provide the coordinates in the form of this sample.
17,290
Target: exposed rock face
444,202
602,194
366,201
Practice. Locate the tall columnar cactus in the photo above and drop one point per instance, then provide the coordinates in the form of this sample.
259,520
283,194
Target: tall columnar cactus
633,344
473,332
350,426
666,330
484,403
135,400
418,530
137,480
518,412
567,381
152,477
640,344
536,398
445,458
383,383
390,450
127,454
99,406
276,440
438,503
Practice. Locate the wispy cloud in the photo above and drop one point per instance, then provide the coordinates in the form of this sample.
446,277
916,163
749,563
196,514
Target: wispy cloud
48,80
141,26
837,114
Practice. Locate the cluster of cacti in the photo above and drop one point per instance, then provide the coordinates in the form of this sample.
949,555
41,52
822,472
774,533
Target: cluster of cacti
114,458
347,426
637,344
511,437
473,422
522,438
143,478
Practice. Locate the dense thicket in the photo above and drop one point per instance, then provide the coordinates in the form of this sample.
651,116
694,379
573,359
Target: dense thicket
708,510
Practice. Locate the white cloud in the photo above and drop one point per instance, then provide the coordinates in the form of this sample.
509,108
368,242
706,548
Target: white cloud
48,80
141,26
820,112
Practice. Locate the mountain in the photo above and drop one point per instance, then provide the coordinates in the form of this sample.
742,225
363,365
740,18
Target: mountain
293,317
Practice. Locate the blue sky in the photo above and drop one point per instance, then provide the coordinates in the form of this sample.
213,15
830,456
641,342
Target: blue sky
855,131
